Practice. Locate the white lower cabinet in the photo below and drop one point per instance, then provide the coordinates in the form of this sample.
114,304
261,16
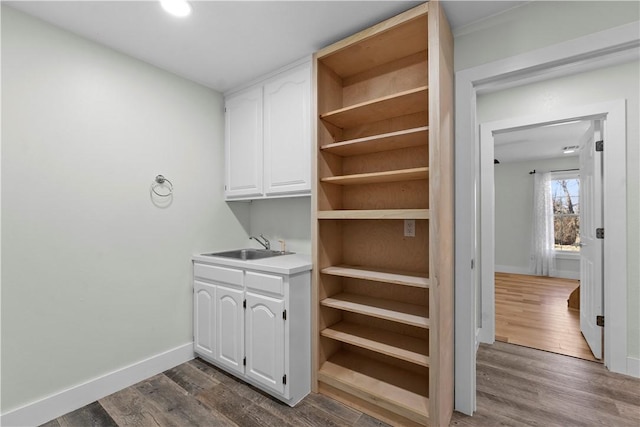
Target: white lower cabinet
255,325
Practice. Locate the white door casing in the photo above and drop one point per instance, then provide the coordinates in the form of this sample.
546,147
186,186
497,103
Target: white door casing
265,341
591,268
230,328
608,47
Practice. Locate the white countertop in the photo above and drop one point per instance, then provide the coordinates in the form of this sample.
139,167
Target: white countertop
282,264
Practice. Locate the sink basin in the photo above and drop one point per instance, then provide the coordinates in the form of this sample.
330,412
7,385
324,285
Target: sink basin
248,254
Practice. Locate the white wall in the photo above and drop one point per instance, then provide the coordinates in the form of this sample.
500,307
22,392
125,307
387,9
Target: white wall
535,25
514,215
612,83
287,219
94,276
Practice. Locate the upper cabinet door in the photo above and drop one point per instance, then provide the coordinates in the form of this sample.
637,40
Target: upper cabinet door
287,134
243,144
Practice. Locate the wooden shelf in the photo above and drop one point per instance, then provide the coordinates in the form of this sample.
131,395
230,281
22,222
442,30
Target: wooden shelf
412,174
375,214
396,105
379,275
384,142
409,314
377,45
402,347
397,390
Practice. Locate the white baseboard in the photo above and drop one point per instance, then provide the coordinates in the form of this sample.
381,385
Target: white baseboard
563,274
68,400
633,367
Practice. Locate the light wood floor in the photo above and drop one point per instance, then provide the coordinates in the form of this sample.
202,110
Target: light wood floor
517,386
532,311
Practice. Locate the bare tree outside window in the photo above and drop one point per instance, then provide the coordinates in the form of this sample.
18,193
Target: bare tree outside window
565,194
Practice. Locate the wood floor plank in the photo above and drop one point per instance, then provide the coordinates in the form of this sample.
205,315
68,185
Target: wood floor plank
533,311
176,403
191,379
240,410
130,408
368,421
333,406
93,415
232,383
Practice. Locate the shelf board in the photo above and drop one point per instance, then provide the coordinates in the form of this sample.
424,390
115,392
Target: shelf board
402,347
386,107
397,390
409,314
384,142
375,214
412,174
379,275
401,36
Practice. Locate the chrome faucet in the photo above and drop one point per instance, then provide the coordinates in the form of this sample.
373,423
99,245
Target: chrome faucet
266,243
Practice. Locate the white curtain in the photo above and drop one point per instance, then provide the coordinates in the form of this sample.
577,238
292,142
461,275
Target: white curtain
543,261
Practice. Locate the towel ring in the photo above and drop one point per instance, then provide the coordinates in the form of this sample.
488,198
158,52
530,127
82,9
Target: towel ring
160,181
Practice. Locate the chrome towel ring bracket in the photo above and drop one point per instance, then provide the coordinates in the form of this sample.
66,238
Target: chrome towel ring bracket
161,181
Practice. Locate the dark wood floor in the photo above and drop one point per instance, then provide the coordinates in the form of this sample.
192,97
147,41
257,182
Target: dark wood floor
517,386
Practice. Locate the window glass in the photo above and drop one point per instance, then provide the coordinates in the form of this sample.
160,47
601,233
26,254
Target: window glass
565,194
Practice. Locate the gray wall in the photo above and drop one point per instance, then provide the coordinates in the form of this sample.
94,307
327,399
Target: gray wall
95,277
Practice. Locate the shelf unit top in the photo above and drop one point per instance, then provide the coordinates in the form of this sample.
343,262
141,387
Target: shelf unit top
386,107
395,38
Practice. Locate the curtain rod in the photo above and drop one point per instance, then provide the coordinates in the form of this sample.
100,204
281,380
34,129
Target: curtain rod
557,170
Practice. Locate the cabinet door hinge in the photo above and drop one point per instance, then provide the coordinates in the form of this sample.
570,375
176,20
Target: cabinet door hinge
599,145
599,233
244,304
284,379
600,320
284,314
244,362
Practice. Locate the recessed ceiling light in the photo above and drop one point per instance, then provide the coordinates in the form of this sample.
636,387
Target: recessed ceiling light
570,149
180,8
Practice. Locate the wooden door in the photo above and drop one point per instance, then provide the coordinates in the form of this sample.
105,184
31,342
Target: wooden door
591,251
230,328
204,330
287,135
265,341
243,144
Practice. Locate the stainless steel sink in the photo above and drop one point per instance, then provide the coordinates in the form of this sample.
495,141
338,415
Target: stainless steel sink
248,254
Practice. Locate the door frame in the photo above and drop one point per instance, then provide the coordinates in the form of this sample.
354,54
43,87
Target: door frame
615,256
593,51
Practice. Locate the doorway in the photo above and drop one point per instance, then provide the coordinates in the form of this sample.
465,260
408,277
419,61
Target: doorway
537,187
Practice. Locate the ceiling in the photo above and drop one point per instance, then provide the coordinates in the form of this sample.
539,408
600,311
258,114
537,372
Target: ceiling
542,142
224,44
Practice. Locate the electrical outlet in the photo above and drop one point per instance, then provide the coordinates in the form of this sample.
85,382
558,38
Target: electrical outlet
409,228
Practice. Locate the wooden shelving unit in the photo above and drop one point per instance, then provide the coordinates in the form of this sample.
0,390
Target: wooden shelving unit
383,300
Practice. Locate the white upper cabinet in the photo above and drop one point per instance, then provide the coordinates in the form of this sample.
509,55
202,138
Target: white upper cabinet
268,137
287,134
243,144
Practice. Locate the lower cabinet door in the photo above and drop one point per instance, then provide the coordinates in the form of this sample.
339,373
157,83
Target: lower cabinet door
265,341
204,330
230,328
